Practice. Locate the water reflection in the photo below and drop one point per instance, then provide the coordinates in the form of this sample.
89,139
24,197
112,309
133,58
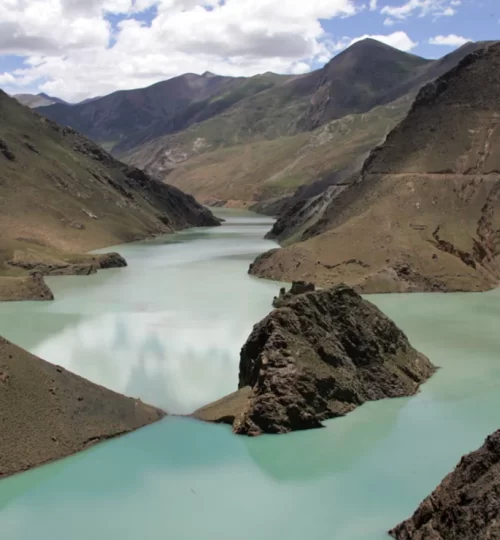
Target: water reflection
171,359
168,328
319,454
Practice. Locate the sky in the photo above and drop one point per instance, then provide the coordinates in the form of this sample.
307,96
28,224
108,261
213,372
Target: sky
75,49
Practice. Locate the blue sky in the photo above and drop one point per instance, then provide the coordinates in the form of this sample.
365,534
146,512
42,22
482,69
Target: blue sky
78,48
474,19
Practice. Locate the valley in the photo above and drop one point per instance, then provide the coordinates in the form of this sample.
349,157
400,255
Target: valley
143,236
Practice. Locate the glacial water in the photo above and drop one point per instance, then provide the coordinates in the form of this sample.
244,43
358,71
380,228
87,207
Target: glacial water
168,329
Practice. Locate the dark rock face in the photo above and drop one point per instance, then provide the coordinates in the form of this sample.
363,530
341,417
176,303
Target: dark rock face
4,149
298,287
466,505
47,413
319,356
112,260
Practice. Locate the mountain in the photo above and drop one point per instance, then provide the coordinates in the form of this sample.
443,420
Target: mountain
424,213
125,119
263,147
234,110
39,100
62,195
366,74
49,413
245,140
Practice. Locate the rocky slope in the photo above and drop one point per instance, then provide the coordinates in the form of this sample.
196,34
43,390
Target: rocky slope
367,74
260,171
424,213
370,73
62,195
47,413
319,356
466,505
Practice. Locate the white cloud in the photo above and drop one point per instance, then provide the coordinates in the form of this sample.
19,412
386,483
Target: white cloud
420,8
73,52
400,40
451,40
373,5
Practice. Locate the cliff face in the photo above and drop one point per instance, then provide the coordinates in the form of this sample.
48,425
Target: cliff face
424,213
319,356
466,505
47,413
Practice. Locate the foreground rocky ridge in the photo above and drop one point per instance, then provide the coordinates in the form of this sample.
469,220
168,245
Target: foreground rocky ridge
62,195
424,213
319,356
466,505
47,413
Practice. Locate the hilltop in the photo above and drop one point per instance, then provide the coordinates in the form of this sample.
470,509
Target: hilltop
423,215
37,100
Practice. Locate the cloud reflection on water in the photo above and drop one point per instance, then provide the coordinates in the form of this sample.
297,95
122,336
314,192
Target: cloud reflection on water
170,359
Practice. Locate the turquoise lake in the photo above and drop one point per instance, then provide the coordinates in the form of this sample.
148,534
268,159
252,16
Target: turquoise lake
168,329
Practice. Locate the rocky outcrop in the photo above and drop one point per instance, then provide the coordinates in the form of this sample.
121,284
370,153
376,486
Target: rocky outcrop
424,214
298,287
466,505
319,356
47,413
82,265
33,286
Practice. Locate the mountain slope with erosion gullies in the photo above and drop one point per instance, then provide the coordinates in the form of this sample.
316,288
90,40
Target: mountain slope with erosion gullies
261,148
62,195
424,213
243,175
126,119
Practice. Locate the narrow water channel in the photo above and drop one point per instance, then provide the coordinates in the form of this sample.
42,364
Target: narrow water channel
168,329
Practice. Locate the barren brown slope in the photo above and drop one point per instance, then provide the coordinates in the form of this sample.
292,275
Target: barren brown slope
47,413
248,173
425,213
466,505
60,194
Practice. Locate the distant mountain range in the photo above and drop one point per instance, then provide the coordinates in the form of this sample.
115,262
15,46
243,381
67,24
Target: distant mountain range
210,133
38,100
